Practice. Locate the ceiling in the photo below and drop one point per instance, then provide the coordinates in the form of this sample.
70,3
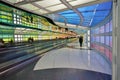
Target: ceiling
85,13
91,15
48,6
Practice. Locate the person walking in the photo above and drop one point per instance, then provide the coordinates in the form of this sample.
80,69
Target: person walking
2,44
81,40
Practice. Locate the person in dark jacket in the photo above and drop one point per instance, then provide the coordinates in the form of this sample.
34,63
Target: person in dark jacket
81,40
30,40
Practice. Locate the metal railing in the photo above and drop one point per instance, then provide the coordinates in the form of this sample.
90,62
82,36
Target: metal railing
15,58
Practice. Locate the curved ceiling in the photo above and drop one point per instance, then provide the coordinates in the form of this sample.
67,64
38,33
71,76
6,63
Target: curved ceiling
92,15
68,11
75,13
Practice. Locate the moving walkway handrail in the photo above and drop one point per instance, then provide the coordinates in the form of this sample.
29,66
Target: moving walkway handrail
23,46
33,48
30,49
31,57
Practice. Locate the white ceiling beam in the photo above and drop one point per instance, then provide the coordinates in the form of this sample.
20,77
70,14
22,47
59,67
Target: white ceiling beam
25,2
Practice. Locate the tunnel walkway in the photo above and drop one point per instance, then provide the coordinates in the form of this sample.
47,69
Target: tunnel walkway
68,63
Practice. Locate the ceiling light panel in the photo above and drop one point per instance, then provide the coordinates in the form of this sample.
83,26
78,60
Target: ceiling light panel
70,0
48,3
40,11
14,1
78,2
29,7
58,7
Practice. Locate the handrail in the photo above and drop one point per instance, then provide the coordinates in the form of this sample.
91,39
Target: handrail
12,65
10,68
23,46
28,49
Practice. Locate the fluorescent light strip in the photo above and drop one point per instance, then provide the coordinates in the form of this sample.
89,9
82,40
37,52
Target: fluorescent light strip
93,14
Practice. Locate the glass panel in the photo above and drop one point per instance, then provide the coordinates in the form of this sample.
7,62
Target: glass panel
40,11
102,30
110,41
111,25
29,7
107,27
107,52
97,31
107,40
97,39
58,7
48,3
14,1
101,49
67,12
102,39
92,14
78,2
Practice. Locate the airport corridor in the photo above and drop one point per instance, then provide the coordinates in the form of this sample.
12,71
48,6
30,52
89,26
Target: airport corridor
68,63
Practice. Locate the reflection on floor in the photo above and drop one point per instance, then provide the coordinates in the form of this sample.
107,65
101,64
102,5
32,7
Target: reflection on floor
76,45
68,57
69,63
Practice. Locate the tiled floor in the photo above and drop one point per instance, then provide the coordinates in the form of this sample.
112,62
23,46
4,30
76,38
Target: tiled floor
74,57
